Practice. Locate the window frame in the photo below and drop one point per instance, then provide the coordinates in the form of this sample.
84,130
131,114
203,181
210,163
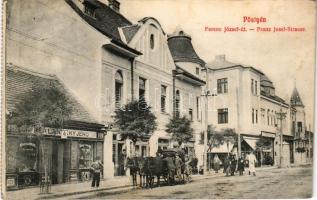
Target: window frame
222,86
223,116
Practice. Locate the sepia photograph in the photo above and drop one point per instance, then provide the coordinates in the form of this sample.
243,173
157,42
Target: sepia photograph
139,99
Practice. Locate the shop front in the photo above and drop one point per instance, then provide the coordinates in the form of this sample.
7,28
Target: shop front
64,155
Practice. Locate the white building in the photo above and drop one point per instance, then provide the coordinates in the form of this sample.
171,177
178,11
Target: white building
245,100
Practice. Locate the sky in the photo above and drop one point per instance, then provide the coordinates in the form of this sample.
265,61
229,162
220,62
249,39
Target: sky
285,57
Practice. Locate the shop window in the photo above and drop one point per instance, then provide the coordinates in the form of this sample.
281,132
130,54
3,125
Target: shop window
85,155
223,116
163,98
118,89
222,85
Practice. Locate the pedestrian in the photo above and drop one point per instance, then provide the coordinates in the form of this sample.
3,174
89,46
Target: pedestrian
233,165
178,166
217,163
96,168
252,160
241,166
226,165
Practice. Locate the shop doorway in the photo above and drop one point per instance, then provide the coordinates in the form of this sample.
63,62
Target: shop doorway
60,164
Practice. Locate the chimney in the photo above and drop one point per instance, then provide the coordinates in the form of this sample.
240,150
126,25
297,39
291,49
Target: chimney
114,5
221,57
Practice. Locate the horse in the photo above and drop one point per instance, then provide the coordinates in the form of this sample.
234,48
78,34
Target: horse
132,164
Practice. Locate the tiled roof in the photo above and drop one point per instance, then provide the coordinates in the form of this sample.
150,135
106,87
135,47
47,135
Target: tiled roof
295,98
189,75
106,20
273,97
130,31
182,49
19,81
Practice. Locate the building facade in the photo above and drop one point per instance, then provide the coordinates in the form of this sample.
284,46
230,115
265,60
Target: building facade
106,61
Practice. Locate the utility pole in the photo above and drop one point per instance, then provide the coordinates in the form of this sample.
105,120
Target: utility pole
281,115
206,94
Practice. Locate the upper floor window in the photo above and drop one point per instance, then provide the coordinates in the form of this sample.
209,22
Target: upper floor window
254,87
142,83
223,116
197,70
198,110
222,85
163,98
152,42
190,114
299,127
177,102
256,116
252,116
268,117
118,89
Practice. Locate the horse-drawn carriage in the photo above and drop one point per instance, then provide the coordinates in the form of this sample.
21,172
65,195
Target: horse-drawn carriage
172,165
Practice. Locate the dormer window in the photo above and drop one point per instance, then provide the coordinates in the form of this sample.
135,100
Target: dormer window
89,10
152,42
197,70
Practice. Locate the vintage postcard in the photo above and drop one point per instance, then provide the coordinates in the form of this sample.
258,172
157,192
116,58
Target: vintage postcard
139,99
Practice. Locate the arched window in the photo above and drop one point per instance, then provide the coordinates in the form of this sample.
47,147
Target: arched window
118,89
177,102
152,42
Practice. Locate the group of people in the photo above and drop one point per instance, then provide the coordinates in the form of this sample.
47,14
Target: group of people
231,164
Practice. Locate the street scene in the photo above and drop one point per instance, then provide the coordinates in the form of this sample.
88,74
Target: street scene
113,99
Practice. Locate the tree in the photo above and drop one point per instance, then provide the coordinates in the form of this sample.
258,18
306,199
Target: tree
135,120
181,130
45,105
261,144
230,136
214,138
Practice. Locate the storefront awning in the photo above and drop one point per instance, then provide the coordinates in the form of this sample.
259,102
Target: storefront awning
251,142
221,149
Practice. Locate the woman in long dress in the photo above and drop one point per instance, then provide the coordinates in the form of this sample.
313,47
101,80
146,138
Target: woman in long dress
252,160
216,163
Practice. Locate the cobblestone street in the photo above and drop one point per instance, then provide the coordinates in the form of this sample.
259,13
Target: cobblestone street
274,183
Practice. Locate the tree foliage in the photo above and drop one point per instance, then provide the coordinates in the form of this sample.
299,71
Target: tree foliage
135,120
217,138
181,130
45,105
263,143
214,137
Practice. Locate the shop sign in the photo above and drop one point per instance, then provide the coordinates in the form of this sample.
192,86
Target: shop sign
11,182
65,133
